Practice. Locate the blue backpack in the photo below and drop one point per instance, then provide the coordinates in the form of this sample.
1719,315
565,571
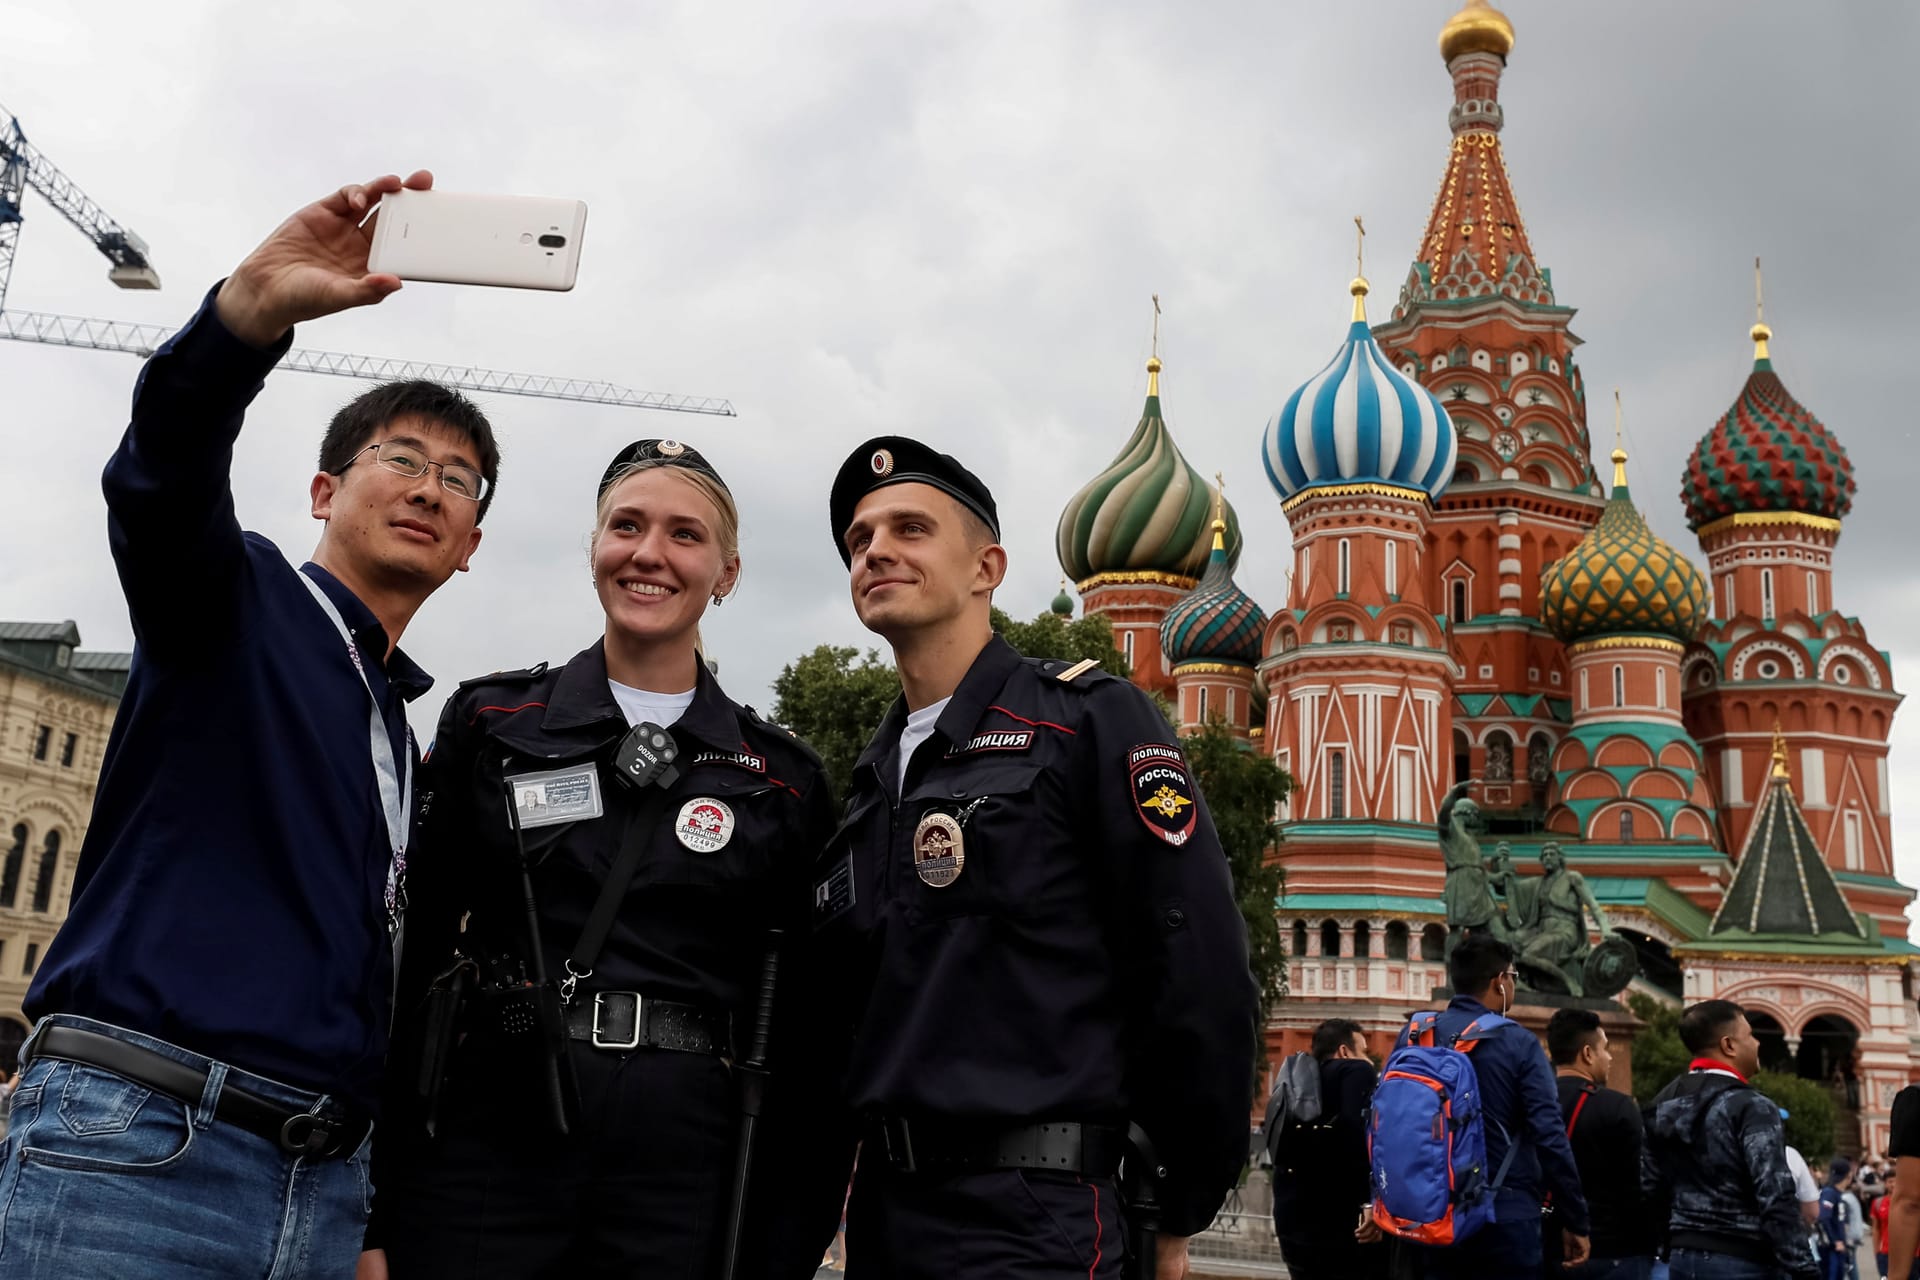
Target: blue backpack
1426,1137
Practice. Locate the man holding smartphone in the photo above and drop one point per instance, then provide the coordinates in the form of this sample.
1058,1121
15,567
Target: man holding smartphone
198,1092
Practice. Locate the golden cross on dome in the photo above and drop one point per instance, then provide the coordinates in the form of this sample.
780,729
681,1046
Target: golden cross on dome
1619,450
1780,772
1156,326
1219,512
1153,360
1759,333
1359,246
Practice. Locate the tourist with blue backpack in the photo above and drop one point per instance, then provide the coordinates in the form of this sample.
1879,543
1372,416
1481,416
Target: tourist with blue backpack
1466,1139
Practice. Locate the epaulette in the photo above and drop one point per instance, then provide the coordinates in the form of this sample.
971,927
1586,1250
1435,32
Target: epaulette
526,675
806,748
1081,675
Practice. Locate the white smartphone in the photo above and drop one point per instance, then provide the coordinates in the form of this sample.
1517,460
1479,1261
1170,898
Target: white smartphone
520,242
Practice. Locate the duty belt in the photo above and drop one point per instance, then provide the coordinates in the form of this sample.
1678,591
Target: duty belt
624,1020
948,1147
321,1134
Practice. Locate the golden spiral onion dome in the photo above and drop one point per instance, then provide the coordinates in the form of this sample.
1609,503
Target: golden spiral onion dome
1477,28
1622,579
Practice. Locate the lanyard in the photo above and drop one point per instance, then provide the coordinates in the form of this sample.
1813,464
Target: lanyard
396,780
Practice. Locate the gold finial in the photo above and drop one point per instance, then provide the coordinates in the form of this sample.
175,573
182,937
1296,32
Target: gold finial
1359,286
1780,773
1219,512
1153,361
1477,28
1759,333
1619,453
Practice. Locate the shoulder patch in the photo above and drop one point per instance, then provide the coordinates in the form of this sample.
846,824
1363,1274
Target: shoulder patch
1077,670
1078,675
525,675
1163,791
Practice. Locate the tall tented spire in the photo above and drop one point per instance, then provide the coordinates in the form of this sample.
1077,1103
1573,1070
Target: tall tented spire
1476,242
1781,885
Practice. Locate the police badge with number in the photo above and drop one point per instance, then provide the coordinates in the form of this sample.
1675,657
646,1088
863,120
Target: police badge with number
939,850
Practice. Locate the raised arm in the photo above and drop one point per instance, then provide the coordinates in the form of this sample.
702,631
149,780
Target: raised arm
171,525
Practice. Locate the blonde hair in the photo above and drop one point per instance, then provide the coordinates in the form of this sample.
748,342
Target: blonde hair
726,530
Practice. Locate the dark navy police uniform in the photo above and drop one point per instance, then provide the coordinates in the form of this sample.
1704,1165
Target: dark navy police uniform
639,1184
1031,943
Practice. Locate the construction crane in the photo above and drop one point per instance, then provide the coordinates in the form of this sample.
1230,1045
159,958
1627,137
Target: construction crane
22,165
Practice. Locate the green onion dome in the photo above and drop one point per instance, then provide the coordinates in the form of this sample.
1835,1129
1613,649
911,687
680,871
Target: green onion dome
1217,621
1147,513
1768,453
1622,580
1062,603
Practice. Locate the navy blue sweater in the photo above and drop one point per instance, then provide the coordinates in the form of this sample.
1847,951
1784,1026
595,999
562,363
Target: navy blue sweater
231,893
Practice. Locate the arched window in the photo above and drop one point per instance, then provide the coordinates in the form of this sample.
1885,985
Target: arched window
1299,939
1203,705
1362,939
1433,943
1329,938
1460,613
1346,566
1813,594
1499,757
1619,686
1462,756
1393,567
1626,826
1766,593
1726,595
1126,645
10,873
1662,674
1336,784
49,866
1396,940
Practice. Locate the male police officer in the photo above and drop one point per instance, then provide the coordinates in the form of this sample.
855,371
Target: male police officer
1028,921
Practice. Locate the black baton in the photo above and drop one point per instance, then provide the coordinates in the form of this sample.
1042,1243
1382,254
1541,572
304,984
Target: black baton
751,1081
1140,1185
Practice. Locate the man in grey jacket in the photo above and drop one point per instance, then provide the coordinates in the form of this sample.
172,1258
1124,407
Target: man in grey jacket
1716,1153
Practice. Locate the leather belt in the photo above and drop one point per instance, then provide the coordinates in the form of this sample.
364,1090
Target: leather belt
323,1135
625,1020
919,1146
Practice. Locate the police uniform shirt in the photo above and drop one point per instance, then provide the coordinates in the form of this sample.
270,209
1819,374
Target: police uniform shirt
726,846
1043,926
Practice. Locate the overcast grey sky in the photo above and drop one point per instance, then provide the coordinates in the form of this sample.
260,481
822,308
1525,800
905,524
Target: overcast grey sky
946,219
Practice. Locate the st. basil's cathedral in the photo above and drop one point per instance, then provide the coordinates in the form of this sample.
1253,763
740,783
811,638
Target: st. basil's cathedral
1471,600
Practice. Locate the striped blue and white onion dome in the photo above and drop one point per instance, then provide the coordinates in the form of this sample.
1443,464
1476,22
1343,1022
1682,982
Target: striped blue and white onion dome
1360,421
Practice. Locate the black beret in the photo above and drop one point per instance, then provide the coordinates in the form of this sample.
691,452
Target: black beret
886,460
670,453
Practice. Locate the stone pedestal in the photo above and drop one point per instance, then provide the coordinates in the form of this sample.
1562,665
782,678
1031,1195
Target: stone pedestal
1533,1010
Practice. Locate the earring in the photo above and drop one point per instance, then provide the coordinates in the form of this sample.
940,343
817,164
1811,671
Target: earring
718,600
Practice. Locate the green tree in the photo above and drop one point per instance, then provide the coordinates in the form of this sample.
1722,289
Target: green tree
1243,788
1809,1109
835,703
1658,1055
1052,636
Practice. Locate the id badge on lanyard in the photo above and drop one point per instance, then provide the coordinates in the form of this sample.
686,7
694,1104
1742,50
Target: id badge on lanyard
395,779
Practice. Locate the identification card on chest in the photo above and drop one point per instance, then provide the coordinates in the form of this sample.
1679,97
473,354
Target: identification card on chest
557,795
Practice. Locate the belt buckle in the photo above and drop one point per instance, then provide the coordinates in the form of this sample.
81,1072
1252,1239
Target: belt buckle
899,1154
306,1134
639,1020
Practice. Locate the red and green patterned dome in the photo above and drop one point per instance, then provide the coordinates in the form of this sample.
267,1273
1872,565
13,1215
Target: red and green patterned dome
1768,454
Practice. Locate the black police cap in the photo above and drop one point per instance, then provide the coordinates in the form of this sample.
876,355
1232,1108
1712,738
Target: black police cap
670,453
886,460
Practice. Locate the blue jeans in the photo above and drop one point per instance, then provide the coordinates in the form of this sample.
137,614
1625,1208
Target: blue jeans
1693,1264
1609,1269
102,1179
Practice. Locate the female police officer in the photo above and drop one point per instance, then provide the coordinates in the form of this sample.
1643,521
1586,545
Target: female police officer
574,1116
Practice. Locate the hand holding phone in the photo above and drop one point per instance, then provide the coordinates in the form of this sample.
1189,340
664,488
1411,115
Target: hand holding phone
520,242
314,264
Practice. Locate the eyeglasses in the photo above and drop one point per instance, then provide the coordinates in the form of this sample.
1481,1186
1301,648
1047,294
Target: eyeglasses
407,460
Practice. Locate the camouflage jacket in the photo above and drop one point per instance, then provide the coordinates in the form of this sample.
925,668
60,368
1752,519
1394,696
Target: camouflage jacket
1716,1152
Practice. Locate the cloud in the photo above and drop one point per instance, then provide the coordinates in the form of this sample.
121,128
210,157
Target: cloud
946,220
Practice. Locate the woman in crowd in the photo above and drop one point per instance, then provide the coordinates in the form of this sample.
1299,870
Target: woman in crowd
560,1100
